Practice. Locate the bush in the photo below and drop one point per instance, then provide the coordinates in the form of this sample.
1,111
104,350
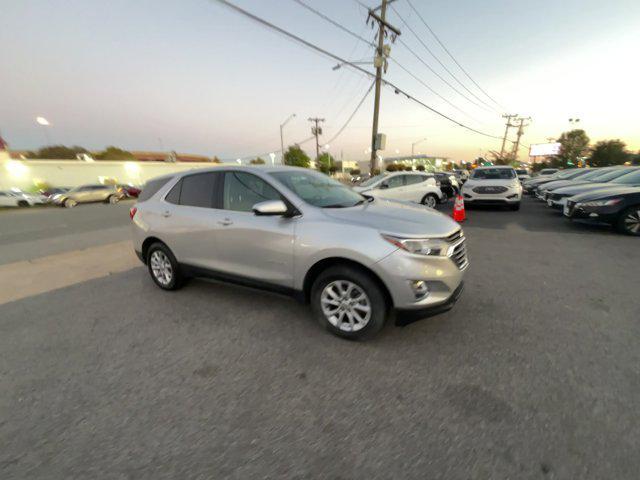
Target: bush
420,168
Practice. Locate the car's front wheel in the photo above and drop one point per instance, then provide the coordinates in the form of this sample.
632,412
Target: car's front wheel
70,203
629,221
348,302
430,200
163,267
112,199
23,203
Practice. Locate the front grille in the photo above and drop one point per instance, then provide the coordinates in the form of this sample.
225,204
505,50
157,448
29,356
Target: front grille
570,206
490,190
459,252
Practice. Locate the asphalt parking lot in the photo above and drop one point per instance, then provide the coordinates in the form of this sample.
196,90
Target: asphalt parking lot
534,374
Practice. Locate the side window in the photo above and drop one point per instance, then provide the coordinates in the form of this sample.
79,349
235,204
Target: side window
413,179
198,190
151,187
174,194
395,181
243,190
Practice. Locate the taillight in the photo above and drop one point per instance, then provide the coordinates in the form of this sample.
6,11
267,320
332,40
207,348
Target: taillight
132,212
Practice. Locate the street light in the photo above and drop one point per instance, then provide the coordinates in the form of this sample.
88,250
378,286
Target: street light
44,123
281,135
413,145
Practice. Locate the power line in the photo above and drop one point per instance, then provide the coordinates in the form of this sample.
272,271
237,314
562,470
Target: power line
312,46
364,40
451,55
439,61
352,114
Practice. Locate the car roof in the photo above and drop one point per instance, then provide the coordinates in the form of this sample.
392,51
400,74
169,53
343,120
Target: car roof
484,167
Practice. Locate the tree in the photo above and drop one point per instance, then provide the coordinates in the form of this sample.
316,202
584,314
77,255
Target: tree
355,171
507,158
392,167
296,157
257,161
333,169
420,168
58,152
408,168
215,159
608,152
324,162
114,153
573,144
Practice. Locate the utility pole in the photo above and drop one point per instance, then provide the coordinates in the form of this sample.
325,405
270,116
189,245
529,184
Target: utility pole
380,62
506,131
317,130
521,126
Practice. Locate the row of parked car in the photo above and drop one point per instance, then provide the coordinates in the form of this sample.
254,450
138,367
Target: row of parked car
609,195
69,197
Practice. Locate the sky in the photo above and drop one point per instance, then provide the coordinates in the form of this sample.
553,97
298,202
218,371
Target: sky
196,77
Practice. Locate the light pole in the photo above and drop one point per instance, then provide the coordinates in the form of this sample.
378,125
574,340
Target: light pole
413,146
281,135
45,123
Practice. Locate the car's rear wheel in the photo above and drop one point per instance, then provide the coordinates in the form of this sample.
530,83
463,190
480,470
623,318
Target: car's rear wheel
163,267
23,203
348,302
629,221
112,199
430,200
70,203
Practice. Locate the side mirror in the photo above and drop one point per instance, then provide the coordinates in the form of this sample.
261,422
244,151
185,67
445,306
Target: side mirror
270,208
384,185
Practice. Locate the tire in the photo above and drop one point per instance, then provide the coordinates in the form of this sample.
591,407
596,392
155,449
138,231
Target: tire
515,206
430,200
333,285
112,199
69,203
629,221
163,267
23,203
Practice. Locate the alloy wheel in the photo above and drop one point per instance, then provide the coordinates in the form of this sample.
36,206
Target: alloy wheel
345,305
632,222
430,201
161,267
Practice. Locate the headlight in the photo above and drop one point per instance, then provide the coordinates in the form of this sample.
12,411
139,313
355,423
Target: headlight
421,246
600,203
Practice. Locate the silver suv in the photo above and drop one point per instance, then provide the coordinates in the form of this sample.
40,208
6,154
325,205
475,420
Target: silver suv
293,230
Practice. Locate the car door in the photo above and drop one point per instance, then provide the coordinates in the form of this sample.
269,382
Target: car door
7,200
414,188
187,221
390,188
251,246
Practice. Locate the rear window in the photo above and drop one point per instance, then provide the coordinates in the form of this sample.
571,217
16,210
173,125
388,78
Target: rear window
198,190
151,187
521,172
493,174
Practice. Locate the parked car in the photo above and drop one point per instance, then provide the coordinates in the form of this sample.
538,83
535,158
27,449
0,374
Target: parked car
547,171
354,258
461,175
592,175
447,183
530,185
129,191
87,194
496,185
619,207
12,199
404,186
523,174
623,177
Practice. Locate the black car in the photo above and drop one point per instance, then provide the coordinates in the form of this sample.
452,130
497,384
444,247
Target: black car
617,206
444,182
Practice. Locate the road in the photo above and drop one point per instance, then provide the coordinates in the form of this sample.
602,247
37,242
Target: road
534,374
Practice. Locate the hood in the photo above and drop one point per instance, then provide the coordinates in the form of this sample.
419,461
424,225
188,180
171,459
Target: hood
396,218
539,180
562,183
603,193
582,188
361,189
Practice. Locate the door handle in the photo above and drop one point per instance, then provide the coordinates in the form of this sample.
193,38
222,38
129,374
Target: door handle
226,222
166,213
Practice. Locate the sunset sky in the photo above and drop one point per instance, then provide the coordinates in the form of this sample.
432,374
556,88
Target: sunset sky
195,77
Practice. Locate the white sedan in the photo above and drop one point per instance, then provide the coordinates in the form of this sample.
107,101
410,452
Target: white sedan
406,186
14,199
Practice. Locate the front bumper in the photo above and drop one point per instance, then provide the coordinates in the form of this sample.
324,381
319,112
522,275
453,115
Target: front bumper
506,198
605,214
443,276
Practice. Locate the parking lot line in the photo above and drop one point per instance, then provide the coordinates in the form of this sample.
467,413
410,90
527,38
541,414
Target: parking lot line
27,278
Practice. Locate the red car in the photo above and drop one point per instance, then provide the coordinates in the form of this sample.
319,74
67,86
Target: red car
130,191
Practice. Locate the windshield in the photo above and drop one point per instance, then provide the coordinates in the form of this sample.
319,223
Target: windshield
521,172
319,190
372,180
614,174
594,174
628,179
493,174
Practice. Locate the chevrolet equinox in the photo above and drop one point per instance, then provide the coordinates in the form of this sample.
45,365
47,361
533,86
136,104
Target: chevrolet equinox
293,230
